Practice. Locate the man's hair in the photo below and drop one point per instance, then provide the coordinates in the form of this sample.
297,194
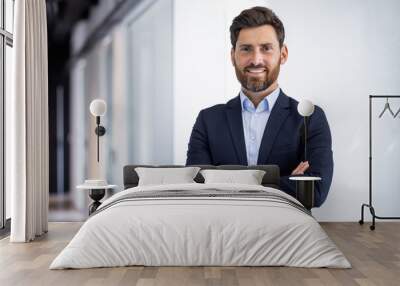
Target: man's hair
255,17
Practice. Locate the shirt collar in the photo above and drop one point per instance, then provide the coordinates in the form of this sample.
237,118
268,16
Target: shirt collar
265,105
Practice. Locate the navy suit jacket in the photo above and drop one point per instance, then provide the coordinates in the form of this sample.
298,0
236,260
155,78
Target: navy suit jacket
218,139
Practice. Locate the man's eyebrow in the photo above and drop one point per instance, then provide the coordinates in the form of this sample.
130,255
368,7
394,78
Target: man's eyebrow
250,45
266,44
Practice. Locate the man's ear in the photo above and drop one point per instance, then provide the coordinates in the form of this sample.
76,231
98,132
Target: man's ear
233,56
284,54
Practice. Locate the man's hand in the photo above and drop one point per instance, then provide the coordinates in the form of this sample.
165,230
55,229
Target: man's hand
301,168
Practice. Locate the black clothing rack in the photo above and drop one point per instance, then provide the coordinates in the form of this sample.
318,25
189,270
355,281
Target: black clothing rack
369,205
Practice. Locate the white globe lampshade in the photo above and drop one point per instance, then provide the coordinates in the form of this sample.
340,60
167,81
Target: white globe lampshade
305,107
98,107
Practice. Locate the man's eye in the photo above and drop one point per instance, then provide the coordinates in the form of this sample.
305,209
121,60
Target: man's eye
245,49
266,48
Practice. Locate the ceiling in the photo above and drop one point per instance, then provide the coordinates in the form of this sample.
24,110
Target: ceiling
62,15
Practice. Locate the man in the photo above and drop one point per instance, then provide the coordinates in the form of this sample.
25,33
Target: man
262,125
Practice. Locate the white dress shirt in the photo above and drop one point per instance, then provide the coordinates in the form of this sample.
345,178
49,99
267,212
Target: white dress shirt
254,122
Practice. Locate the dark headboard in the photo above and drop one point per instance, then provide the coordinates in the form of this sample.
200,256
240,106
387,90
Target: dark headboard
270,179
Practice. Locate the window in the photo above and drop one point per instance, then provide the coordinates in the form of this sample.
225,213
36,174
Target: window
6,65
9,16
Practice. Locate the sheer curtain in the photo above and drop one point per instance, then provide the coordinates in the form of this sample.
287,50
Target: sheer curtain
28,123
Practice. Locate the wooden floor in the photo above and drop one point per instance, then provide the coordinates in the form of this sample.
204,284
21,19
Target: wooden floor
374,255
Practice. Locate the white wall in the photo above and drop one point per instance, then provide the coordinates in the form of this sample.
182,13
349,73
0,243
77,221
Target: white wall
119,141
149,71
339,53
203,73
130,68
77,136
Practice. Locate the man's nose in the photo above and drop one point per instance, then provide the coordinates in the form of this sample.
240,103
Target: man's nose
257,58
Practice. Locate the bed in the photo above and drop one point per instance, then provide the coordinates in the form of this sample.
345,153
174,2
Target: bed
201,224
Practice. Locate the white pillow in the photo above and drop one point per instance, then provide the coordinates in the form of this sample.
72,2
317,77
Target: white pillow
165,176
249,177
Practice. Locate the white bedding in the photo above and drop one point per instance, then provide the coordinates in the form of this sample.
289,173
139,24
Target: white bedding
200,231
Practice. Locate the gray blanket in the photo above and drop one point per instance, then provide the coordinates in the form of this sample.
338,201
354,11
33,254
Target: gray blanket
207,193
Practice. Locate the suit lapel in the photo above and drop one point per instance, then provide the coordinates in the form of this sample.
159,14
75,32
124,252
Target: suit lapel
279,113
234,115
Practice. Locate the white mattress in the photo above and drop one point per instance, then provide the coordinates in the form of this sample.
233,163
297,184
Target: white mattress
200,231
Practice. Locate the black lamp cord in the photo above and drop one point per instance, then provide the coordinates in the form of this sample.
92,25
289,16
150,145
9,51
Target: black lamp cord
305,138
98,141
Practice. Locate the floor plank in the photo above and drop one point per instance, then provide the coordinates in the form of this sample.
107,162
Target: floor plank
374,255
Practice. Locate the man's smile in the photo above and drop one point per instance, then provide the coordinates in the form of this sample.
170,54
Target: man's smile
255,71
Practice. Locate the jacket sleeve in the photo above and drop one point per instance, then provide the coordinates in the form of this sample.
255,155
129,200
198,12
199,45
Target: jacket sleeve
198,149
319,156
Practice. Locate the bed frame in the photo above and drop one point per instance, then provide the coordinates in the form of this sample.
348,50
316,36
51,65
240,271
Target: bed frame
270,179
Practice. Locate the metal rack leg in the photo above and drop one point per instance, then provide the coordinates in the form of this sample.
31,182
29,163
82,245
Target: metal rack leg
361,221
372,211
374,216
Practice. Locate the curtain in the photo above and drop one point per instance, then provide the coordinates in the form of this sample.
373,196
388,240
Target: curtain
28,123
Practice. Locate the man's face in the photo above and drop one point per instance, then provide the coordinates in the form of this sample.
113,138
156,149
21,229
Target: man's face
257,58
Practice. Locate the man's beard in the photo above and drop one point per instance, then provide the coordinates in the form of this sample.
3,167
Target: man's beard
257,84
